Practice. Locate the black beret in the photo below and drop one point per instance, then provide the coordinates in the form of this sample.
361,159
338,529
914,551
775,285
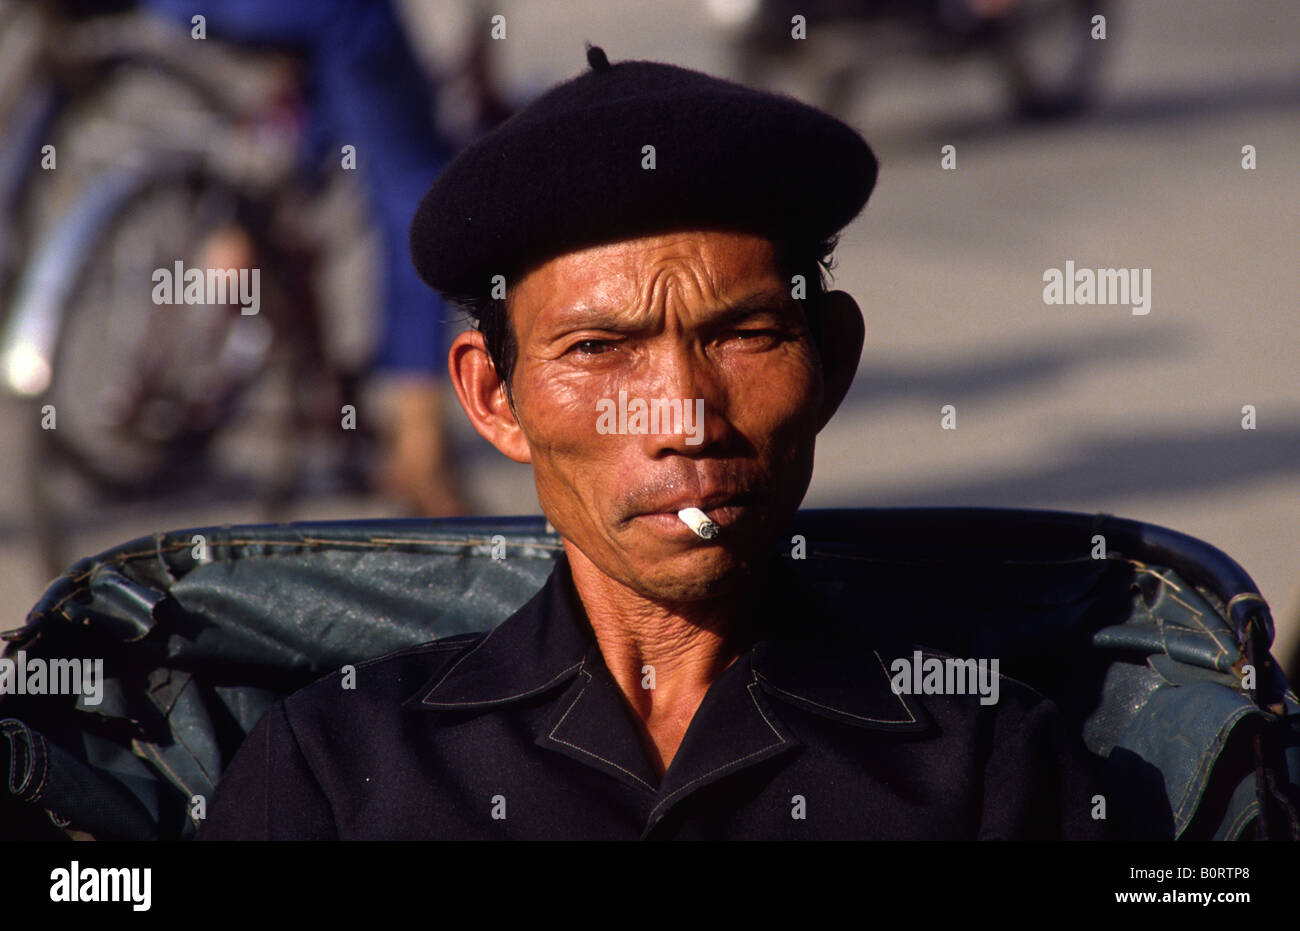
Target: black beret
567,172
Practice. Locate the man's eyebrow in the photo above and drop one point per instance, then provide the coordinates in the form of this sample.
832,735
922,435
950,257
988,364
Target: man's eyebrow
584,317
778,302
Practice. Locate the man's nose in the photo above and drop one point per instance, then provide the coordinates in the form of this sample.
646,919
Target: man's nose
685,390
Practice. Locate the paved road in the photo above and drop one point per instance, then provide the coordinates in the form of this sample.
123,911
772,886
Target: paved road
1088,408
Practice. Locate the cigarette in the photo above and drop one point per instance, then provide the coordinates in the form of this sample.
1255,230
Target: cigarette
699,522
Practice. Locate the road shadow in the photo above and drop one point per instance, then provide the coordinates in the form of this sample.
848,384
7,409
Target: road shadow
1016,369
1113,466
1140,108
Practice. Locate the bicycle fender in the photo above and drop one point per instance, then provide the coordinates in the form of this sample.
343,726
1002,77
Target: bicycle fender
33,323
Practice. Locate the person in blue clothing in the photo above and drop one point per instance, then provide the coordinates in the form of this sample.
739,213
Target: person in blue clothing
366,89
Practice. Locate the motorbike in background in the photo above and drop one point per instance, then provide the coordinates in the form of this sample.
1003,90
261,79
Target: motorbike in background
1044,50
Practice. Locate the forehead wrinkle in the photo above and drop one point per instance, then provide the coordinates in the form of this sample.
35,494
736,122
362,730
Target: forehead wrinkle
686,281
634,285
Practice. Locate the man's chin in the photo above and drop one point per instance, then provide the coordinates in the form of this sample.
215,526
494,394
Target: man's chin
708,572
672,563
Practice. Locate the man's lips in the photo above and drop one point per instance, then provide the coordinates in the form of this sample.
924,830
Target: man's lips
705,503
723,509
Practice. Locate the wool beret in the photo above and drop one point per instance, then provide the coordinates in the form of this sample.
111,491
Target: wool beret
632,149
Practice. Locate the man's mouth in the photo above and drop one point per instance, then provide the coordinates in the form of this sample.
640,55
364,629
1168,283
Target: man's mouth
723,510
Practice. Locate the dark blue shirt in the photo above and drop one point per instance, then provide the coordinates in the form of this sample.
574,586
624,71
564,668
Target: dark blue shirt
523,733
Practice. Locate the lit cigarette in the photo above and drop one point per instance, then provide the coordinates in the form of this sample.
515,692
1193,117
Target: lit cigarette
699,522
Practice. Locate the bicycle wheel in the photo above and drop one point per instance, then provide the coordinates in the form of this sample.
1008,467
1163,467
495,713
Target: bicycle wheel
139,388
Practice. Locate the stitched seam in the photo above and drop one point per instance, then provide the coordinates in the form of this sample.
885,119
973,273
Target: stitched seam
1189,607
1209,633
467,655
847,714
781,740
1161,622
572,705
419,649
1243,818
753,694
43,753
8,731
734,763
1207,759
1196,615
911,718
307,542
398,541
494,701
1168,581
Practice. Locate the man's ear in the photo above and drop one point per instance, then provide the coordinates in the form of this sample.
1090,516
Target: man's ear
840,344
482,394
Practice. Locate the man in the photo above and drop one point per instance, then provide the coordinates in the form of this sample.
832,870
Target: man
658,233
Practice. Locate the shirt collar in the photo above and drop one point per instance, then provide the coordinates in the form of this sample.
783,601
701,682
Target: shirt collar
539,647
811,653
806,653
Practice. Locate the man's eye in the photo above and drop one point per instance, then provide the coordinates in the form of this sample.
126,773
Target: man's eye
758,337
591,347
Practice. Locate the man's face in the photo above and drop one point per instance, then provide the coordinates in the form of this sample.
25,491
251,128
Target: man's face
691,317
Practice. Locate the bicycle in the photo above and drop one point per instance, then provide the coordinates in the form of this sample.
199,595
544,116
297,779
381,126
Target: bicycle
162,143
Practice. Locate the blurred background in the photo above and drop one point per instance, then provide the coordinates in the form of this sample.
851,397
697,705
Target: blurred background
1123,151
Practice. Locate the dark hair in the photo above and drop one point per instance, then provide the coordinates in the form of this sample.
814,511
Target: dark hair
813,260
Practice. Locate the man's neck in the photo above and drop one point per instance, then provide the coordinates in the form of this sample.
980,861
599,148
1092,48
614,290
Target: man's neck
663,657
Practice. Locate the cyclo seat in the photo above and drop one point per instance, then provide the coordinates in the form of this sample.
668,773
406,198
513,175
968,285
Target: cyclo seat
1155,646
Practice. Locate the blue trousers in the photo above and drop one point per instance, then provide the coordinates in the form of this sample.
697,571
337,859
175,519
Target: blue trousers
366,89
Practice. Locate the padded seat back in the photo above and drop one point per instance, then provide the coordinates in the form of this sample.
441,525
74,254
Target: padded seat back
1145,638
